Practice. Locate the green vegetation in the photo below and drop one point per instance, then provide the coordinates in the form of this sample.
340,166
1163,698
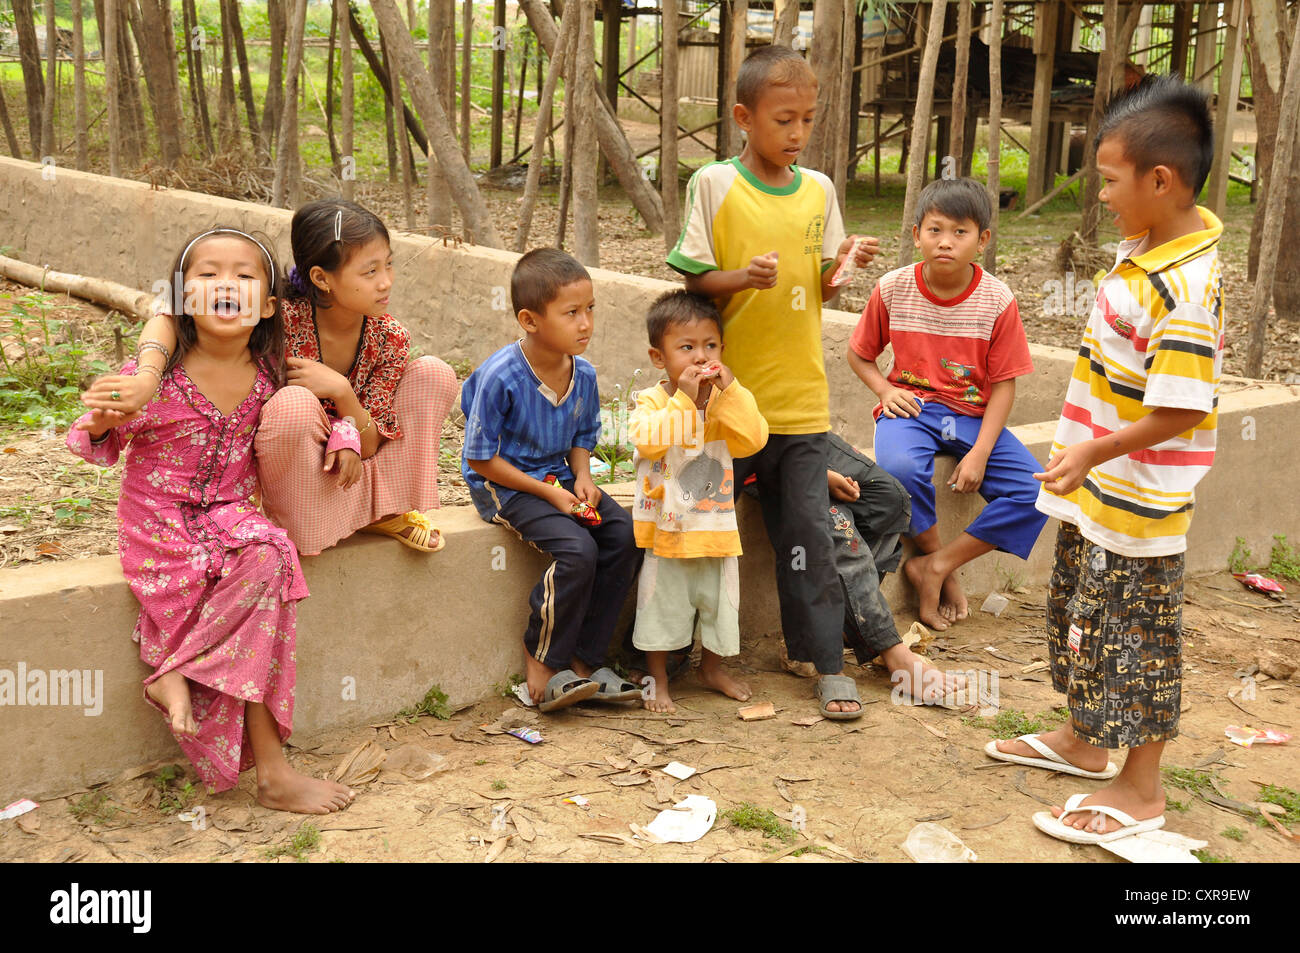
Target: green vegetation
1284,560
616,449
94,808
498,785
173,798
43,370
506,689
1284,798
1188,779
307,839
433,703
749,817
1205,857
1010,723
1234,833
1239,560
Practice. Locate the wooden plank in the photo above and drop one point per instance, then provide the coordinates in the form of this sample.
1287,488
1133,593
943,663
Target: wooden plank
1225,110
1182,34
1045,20
1206,53
498,78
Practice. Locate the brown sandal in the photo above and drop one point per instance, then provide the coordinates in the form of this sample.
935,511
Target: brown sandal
421,531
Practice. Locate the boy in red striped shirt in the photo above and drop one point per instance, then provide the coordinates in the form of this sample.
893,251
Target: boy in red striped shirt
958,348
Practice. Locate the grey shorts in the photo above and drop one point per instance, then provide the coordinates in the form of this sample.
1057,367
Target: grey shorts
677,597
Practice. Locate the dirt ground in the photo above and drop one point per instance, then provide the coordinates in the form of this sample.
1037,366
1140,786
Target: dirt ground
861,785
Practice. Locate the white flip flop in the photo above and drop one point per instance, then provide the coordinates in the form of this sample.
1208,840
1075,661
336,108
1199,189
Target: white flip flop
1053,827
1050,760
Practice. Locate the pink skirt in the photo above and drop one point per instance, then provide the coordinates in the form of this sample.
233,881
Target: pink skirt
402,476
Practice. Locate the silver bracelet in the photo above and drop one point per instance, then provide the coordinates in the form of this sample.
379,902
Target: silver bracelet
155,346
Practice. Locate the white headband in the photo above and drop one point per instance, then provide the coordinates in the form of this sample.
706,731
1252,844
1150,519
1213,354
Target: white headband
231,231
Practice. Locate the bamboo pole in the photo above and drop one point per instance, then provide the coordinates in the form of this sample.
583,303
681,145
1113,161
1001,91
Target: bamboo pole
109,47
49,145
347,103
921,127
668,125
79,84
960,81
586,151
994,133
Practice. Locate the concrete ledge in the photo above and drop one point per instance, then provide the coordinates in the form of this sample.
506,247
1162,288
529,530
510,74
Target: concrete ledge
395,622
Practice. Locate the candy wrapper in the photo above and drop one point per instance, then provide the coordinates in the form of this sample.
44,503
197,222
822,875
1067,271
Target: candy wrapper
1253,580
848,268
531,735
583,512
18,808
1255,736
712,369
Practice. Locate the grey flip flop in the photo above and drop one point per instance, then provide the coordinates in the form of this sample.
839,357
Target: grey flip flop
613,688
838,688
567,688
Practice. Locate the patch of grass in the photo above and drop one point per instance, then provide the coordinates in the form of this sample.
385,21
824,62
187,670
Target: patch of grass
1188,779
815,849
1011,723
171,797
1239,559
1205,857
463,368
305,840
41,382
1284,798
72,509
507,688
1010,579
1284,560
498,785
479,762
433,703
94,807
1234,833
1173,804
750,817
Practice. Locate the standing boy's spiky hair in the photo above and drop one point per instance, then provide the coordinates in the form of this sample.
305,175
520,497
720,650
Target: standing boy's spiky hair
771,66
1163,121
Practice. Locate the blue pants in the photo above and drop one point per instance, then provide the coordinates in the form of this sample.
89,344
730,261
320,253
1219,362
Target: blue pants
905,447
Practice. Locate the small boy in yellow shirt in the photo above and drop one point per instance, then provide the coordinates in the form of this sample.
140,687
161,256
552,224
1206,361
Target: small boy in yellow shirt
687,430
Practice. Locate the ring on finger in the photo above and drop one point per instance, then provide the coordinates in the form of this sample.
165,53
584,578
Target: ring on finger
115,395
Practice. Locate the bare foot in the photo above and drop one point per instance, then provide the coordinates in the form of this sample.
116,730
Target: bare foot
658,699
713,675
1139,805
928,584
172,691
919,679
537,675
1064,743
952,600
284,789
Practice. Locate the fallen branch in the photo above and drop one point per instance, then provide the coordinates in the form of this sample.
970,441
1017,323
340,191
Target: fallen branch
129,301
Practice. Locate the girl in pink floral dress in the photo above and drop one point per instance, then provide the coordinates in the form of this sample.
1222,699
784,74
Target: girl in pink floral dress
218,584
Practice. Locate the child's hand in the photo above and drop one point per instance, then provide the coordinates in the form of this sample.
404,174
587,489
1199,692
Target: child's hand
969,473
348,464
896,402
722,380
841,487
762,271
133,392
102,421
695,385
864,248
1066,470
584,488
324,382
562,499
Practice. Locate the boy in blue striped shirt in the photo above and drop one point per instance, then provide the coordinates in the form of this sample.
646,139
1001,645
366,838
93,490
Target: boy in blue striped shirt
532,418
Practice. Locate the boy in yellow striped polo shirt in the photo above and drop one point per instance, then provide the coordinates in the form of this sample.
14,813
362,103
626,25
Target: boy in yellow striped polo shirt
1135,436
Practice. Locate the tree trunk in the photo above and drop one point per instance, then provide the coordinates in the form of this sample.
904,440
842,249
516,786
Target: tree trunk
347,162
227,120
245,77
285,186
10,135
390,141
274,102
921,126
1091,214
49,142
33,82
194,43
442,38
995,132
848,118
133,125
570,119
151,24
785,24
668,124
1275,207
1269,47
827,40
112,87
544,108
395,78
335,164
473,210
959,83
413,126
613,143
728,131
78,87
466,68
586,200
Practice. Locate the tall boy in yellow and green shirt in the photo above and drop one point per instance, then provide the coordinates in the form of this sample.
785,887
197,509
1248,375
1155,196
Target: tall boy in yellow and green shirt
762,237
